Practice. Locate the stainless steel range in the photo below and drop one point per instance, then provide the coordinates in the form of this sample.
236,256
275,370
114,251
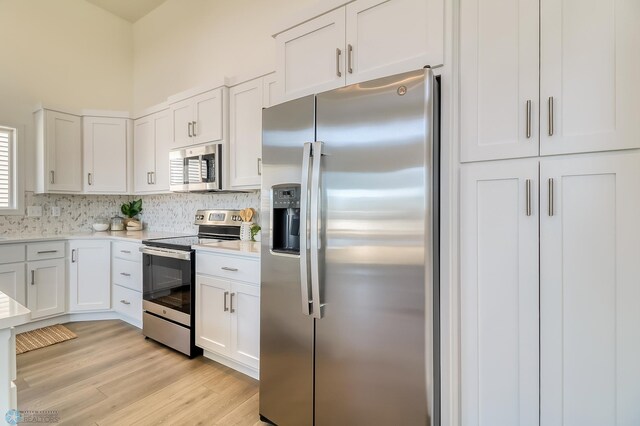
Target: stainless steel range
168,277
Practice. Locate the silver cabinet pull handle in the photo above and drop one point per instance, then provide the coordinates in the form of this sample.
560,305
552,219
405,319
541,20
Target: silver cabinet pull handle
226,268
528,119
73,256
528,195
33,277
551,209
551,116
231,302
47,251
90,179
124,274
338,54
226,308
125,251
125,302
190,129
305,286
349,58
148,178
153,178
52,177
194,129
259,166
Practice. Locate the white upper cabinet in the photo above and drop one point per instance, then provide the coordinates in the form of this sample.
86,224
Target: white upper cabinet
589,75
311,56
151,142
386,37
89,275
270,90
245,134
499,293
199,119
590,289
499,79
106,155
364,40
59,152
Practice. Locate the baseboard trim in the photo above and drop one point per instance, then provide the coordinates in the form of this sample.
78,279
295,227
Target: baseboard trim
251,372
76,317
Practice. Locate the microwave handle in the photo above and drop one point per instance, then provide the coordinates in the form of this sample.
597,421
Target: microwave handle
200,169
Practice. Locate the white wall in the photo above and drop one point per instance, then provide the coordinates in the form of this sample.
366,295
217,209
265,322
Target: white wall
68,53
187,43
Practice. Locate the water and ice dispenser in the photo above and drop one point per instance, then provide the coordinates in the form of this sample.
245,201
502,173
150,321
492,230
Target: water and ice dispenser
286,218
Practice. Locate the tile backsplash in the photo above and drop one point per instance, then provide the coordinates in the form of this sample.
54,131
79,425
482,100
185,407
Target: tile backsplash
166,212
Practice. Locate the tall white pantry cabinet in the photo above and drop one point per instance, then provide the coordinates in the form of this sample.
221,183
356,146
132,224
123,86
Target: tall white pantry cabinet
550,212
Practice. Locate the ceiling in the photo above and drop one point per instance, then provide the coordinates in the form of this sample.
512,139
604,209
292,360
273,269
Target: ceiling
130,10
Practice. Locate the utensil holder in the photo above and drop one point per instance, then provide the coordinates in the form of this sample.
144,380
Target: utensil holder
245,231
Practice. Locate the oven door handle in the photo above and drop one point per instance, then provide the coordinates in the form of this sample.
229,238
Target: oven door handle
163,252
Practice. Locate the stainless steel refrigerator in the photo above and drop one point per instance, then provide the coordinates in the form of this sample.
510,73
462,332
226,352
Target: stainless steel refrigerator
349,296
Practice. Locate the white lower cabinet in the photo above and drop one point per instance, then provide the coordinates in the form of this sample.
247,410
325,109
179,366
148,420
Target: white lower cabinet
12,281
89,275
127,302
228,315
46,287
581,340
499,293
590,290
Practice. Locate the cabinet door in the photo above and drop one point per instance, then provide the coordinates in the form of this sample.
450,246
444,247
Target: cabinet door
311,56
590,290
89,275
386,37
105,155
245,324
46,287
270,90
162,140
63,140
498,79
208,117
213,318
182,118
245,134
499,293
590,62
144,154
12,281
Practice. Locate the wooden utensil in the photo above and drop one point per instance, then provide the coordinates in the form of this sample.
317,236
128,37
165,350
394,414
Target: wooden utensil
249,214
242,216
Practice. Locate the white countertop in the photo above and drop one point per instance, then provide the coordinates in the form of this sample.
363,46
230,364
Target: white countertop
244,248
12,313
133,236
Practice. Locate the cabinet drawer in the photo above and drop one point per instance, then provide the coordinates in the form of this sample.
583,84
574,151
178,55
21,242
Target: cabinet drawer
127,251
12,253
235,268
43,251
127,302
127,274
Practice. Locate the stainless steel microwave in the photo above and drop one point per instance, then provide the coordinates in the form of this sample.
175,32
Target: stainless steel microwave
196,169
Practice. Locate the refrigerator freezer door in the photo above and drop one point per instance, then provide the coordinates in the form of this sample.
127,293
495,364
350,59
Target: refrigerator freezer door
286,332
373,342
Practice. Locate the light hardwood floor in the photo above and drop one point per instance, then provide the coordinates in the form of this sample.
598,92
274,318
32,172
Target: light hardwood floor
111,375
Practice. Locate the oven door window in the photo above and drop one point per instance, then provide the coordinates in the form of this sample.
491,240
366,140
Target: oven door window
167,282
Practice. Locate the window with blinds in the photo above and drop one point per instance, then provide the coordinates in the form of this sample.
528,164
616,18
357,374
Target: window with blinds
7,181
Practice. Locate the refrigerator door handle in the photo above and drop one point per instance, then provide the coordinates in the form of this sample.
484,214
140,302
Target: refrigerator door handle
305,289
318,308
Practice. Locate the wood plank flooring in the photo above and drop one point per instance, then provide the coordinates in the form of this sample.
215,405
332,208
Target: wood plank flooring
111,375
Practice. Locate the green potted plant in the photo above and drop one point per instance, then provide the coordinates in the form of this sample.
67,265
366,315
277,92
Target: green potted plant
131,210
255,229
